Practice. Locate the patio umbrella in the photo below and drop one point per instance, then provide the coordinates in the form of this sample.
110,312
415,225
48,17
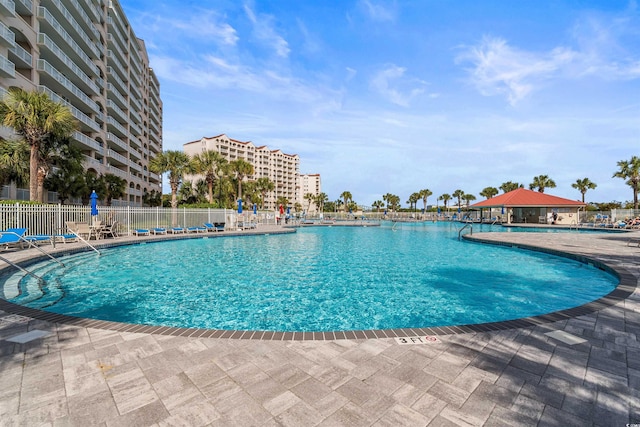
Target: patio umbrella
239,206
94,203
281,210
255,208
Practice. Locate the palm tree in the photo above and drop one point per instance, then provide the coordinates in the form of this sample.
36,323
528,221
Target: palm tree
39,120
468,198
114,186
458,194
413,198
320,200
489,192
14,162
541,182
510,186
177,163
209,164
241,168
346,196
445,198
582,185
424,194
263,186
309,197
630,170
377,205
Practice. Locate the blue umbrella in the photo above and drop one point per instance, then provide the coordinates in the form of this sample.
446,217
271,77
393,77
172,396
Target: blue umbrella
239,206
288,210
255,209
502,211
94,203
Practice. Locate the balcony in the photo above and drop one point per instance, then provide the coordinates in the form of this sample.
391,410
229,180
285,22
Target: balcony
90,124
7,8
24,7
45,67
23,59
117,172
58,55
113,108
93,163
117,158
7,68
7,38
115,78
48,22
117,141
87,142
82,26
115,95
113,124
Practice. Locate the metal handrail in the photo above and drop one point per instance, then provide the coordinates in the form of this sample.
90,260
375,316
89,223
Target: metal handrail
462,229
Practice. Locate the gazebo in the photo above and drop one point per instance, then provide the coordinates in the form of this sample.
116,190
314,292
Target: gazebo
527,206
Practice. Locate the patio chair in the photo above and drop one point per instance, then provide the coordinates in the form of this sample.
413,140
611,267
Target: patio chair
12,237
176,230
158,230
141,232
110,230
210,227
196,230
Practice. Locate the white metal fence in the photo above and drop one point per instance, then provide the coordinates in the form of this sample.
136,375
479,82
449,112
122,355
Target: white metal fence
51,219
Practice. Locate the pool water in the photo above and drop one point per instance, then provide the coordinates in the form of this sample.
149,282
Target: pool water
317,279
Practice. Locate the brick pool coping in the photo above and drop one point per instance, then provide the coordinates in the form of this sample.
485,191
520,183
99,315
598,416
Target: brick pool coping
626,286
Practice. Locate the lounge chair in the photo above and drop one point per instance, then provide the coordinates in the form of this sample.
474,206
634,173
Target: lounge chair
176,230
12,237
158,230
196,229
65,238
38,239
141,232
210,227
109,230
219,226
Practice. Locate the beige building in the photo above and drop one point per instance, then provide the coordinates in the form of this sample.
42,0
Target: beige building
84,53
282,169
309,184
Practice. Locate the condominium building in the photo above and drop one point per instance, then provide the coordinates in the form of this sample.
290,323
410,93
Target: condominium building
84,54
282,169
309,184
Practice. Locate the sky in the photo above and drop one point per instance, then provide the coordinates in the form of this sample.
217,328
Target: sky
398,96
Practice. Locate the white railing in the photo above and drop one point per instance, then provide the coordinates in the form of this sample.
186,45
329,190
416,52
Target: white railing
51,219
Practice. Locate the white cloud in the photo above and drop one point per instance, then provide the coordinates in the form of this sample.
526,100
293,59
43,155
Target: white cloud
265,33
392,85
500,69
378,11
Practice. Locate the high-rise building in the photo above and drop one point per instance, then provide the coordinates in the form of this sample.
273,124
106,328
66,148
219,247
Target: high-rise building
282,169
309,184
84,54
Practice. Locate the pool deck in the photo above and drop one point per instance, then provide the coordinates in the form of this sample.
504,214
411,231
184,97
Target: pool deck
84,376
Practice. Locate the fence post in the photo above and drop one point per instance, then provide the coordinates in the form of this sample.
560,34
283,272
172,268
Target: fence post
128,220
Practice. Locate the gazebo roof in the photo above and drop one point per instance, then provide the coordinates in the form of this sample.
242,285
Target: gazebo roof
522,197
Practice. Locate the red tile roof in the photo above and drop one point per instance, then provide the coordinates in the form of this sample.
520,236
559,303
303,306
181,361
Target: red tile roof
524,197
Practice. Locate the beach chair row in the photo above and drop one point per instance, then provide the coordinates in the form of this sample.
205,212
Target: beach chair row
206,227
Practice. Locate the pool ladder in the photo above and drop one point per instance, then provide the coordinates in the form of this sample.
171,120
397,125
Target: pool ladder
469,225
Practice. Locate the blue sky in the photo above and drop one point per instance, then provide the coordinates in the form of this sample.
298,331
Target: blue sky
397,96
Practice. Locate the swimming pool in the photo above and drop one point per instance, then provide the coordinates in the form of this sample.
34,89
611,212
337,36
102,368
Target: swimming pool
318,279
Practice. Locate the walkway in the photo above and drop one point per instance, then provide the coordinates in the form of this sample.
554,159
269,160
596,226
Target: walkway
81,376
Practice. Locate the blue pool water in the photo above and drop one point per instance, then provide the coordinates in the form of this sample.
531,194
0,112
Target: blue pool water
318,279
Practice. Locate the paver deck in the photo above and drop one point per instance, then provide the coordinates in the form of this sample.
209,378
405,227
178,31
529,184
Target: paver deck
86,376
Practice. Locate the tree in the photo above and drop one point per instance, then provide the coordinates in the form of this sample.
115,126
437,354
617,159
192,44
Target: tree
320,200
69,178
489,192
177,164
114,187
510,186
445,198
208,163
630,170
309,197
413,198
468,198
541,182
424,194
14,162
264,185
39,120
377,205
241,168
582,185
458,194
153,198
346,196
